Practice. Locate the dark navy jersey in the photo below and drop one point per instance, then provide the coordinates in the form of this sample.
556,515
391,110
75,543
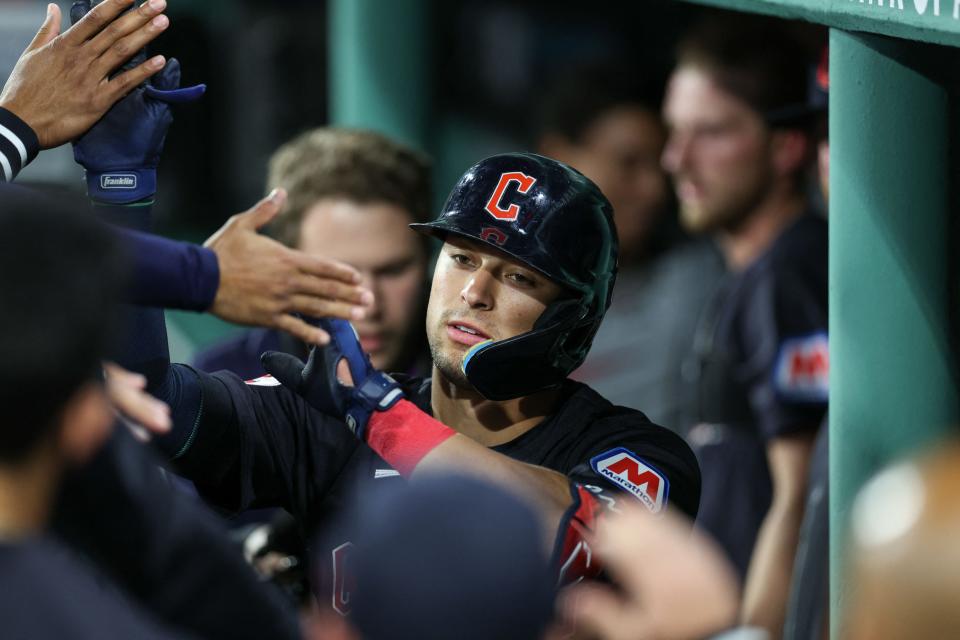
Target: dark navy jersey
259,444
47,593
758,372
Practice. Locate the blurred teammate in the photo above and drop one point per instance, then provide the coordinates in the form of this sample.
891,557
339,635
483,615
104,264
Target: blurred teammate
603,122
350,196
59,459
738,156
904,561
461,538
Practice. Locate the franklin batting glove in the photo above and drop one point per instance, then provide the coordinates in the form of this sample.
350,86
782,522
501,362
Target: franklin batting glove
317,383
121,152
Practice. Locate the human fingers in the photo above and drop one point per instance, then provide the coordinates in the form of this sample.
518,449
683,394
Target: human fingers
125,391
95,20
596,611
128,24
302,330
332,290
325,267
117,373
322,308
263,212
125,48
126,81
49,30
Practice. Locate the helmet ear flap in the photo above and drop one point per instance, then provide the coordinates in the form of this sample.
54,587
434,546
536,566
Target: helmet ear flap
566,320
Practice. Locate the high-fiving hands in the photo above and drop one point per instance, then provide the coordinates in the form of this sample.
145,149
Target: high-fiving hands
61,85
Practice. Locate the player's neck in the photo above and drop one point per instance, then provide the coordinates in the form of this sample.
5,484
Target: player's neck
26,494
759,230
488,422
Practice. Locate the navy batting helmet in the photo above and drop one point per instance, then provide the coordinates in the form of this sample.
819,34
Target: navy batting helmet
551,218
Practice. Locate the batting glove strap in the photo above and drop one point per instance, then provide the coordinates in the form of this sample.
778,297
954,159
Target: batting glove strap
317,383
378,392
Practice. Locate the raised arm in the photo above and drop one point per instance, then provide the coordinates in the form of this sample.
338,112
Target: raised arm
62,83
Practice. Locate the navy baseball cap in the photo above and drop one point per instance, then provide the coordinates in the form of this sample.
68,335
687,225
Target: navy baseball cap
448,557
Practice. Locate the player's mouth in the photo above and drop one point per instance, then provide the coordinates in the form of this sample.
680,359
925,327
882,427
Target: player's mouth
371,342
465,333
687,191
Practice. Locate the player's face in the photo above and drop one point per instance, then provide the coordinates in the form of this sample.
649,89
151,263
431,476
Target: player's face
375,239
620,152
718,152
480,294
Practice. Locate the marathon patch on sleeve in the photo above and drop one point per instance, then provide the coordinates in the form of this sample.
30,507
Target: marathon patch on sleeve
627,470
802,370
264,381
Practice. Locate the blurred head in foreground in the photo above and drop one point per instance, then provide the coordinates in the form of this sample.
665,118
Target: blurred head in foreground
445,557
59,272
905,556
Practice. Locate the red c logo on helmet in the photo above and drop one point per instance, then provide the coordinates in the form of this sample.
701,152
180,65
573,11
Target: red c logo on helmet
524,182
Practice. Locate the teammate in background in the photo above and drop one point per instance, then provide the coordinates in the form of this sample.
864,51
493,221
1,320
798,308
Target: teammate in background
606,124
738,157
350,196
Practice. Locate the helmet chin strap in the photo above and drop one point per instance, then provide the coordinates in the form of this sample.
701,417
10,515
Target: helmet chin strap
527,363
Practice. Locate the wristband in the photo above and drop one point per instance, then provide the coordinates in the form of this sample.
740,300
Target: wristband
121,187
403,435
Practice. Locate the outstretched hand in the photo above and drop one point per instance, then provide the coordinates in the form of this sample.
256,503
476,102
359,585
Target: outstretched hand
265,283
61,85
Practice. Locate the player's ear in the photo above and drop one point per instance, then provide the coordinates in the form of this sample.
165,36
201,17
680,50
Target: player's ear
86,422
790,150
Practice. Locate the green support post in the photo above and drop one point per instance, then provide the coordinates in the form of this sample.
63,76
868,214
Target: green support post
893,387
379,67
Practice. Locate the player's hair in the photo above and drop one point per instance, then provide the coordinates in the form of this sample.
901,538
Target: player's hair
60,274
359,166
577,98
758,60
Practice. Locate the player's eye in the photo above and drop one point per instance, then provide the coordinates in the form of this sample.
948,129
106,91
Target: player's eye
460,258
521,279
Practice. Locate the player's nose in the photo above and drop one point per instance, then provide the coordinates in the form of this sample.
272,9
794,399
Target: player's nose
477,293
676,153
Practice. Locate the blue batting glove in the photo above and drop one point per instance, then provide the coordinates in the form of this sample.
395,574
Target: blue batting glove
121,152
317,383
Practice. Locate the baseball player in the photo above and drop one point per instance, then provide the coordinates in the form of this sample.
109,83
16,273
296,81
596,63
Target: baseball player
524,278
522,282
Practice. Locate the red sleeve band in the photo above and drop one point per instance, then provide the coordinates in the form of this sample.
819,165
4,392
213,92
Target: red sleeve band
575,561
403,434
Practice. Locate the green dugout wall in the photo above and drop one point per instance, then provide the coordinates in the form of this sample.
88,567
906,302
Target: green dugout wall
892,275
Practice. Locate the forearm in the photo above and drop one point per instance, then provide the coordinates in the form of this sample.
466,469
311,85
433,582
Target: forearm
170,274
768,579
415,443
18,145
